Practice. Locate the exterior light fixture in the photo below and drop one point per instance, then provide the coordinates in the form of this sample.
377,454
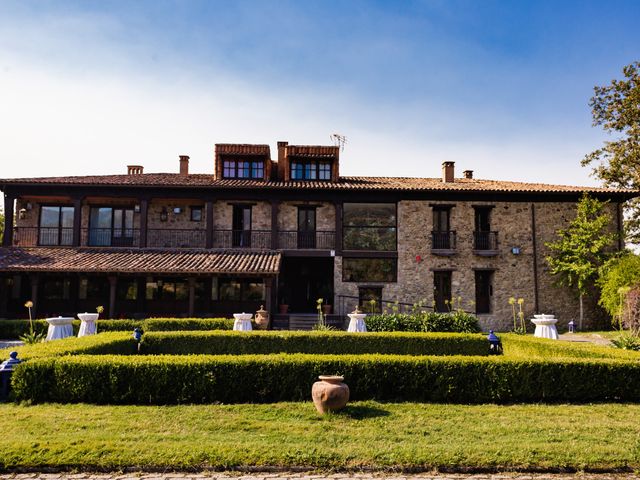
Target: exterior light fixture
22,214
177,210
29,206
136,208
495,345
163,214
515,250
572,326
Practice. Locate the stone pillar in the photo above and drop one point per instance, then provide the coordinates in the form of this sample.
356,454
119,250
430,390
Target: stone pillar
113,283
4,293
9,201
338,247
268,294
209,223
35,282
77,221
192,296
142,295
275,204
144,210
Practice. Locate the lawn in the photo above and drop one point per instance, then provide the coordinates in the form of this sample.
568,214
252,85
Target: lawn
367,435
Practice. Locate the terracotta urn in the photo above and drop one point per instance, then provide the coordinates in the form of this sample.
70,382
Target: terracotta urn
329,394
262,318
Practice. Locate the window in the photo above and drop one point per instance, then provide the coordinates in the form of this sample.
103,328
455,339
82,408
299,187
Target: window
56,289
111,227
442,291
56,225
95,288
196,214
127,289
167,290
310,170
370,299
441,236
231,289
484,290
241,226
245,168
369,269
369,226
483,237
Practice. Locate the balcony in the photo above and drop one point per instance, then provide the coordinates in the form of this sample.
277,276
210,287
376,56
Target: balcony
485,243
173,238
443,243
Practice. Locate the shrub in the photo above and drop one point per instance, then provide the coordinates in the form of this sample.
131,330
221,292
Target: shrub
316,342
141,379
12,329
456,321
527,347
618,273
172,324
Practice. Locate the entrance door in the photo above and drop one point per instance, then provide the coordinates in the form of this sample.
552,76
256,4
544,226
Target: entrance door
122,227
303,280
241,234
306,227
483,291
442,291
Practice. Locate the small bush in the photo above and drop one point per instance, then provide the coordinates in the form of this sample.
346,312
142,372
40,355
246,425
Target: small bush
12,329
315,342
173,324
456,321
618,273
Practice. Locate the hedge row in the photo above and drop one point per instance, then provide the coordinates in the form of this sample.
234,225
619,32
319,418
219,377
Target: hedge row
11,329
274,378
324,342
456,321
527,346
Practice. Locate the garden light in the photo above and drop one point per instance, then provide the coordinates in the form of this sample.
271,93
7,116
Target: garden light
495,345
6,369
572,326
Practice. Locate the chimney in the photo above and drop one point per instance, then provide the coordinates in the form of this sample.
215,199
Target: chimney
134,169
184,164
283,168
447,172
467,174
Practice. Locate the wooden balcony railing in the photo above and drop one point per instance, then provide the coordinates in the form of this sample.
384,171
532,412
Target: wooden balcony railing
294,240
485,241
444,240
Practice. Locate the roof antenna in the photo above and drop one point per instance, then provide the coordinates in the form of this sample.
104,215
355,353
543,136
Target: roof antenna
338,140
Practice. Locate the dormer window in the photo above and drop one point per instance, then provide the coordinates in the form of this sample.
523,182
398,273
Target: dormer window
310,170
253,169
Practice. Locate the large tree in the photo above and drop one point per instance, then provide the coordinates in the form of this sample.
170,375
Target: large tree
616,108
582,248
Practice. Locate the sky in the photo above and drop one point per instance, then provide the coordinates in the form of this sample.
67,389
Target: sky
499,87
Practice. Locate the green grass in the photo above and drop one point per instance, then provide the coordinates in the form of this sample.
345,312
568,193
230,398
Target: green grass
366,435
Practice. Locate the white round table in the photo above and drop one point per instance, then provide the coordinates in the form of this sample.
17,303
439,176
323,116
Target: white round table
356,322
545,326
88,324
242,321
59,327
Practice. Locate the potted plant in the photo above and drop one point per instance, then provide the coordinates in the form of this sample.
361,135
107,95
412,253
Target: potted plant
326,296
283,308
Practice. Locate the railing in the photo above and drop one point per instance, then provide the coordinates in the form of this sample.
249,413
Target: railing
445,240
257,239
317,239
43,236
164,238
109,237
485,241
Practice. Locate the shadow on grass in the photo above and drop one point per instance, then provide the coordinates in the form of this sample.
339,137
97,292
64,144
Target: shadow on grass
361,412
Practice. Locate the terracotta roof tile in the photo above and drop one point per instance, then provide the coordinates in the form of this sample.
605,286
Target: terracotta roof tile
345,183
101,260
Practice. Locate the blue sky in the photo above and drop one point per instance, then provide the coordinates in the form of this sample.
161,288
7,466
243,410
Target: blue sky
499,87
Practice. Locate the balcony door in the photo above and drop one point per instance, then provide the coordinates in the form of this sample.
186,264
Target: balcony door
482,232
442,291
241,233
111,227
56,226
441,229
306,227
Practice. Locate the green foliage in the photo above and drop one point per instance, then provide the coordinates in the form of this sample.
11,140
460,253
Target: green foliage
173,324
1,226
627,342
11,329
618,273
615,109
456,321
315,342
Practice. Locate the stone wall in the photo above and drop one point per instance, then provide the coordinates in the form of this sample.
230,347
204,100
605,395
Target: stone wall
288,216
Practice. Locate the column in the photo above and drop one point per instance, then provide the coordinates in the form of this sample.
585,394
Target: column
144,210
209,223
192,296
274,224
268,294
4,293
77,221
9,201
338,234
113,283
35,281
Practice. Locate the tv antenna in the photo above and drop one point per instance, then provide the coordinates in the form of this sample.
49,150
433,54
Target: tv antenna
338,140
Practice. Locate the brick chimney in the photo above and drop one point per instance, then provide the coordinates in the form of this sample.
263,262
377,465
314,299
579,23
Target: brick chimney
467,174
135,169
283,167
184,164
447,172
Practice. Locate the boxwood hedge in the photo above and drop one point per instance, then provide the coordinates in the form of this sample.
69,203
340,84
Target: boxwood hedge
188,324
146,379
325,342
11,329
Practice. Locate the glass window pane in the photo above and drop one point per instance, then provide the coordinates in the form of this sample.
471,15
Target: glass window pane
243,169
151,290
324,171
362,238
310,171
297,171
67,217
229,170
369,270
253,291
257,170
117,223
369,214
100,226
230,290
168,290
50,217
127,289
182,291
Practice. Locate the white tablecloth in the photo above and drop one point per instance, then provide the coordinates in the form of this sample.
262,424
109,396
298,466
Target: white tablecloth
61,328
546,331
242,325
357,325
87,324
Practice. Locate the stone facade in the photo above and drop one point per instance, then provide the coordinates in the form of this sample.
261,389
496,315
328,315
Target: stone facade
288,215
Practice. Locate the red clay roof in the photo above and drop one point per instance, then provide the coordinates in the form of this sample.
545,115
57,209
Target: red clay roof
101,260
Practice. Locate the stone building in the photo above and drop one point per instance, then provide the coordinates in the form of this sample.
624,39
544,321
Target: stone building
283,233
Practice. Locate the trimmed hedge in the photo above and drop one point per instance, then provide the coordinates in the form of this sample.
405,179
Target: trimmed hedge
456,321
275,378
174,324
321,342
12,329
525,347
108,343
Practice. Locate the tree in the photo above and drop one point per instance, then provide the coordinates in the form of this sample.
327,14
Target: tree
582,248
617,276
616,108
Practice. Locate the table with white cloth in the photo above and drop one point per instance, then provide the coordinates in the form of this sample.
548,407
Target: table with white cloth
242,321
356,322
545,326
87,324
59,327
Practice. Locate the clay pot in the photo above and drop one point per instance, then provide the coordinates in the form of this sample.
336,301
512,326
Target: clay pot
262,319
329,394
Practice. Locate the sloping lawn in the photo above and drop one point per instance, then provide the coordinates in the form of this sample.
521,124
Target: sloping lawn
367,435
